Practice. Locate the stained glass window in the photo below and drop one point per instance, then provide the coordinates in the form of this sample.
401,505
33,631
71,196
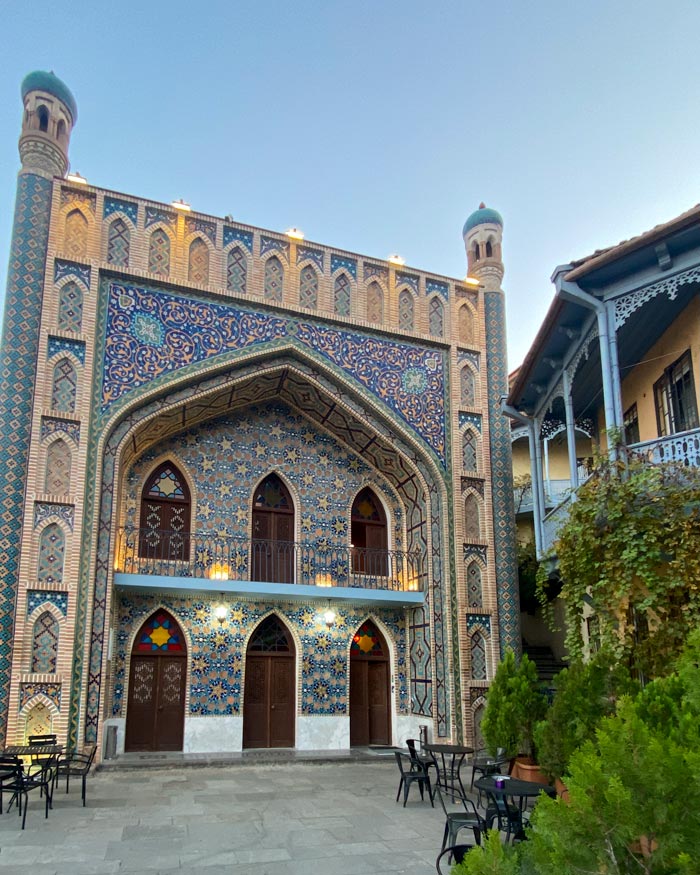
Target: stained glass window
160,633
165,516
166,483
272,494
367,641
271,637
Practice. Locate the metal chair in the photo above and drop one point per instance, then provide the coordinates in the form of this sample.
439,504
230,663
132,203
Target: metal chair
485,764
20,782
465,817
507,813
75,765
411,773
455,854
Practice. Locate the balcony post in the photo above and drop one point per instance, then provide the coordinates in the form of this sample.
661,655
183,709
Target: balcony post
535,473
570,430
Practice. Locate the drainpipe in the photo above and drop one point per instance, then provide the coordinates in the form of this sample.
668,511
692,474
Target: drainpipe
569,291
528,422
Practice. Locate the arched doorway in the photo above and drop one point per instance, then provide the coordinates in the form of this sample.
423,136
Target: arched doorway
368,535
269,700
155,717
273,532
370,715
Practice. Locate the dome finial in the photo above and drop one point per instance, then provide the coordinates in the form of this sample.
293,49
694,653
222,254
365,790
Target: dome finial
482,206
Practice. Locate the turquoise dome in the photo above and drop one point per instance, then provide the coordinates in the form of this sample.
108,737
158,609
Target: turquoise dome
41,81
484,215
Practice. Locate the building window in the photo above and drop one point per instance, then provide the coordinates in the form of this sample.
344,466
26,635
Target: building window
631,425
236,271
674,394
368,533
406,311
308,288
165,516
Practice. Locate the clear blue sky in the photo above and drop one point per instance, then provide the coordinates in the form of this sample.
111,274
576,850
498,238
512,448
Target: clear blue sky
379,126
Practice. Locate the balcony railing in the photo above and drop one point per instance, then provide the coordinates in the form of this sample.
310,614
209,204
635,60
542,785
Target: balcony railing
173,554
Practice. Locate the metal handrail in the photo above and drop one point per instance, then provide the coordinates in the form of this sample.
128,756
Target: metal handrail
180,554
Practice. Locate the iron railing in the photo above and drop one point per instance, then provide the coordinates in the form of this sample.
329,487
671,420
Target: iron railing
174,554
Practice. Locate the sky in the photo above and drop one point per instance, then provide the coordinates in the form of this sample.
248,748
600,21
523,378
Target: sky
378,127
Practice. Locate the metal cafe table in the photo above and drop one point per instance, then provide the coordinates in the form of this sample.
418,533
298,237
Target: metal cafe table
512,788
447,760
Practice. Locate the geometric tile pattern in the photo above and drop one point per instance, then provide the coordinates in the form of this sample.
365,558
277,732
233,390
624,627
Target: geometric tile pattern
375,303
159,252
408,378
272,244
244,237
375,270
198,271
48,510
52,547
467,388
436,286
470,450
274,279
65,387
236,270
63,344
58,468
308,287
155,214
502,476
193,225
18,357
436,318
45,644
77,196
68,268
38,721
406,311
70,308
474,593
38,597
27,691
470,418
305,253
341,295
465,323
113,205
479,621
50,425
478,550
472,526
349,264
217,655
75,235
478,655
408,279
473,357
118,238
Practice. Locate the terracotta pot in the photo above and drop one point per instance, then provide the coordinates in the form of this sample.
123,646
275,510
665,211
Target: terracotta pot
527,770
562,789
644,846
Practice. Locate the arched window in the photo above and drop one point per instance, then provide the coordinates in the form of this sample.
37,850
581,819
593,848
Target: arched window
375,303
159,253
475,598
469,451
368,535
489,249
274,279
271,636
436,317
118,240
70,307
236,270
58,465
406,311
476,252
466,325
52,548
478,648
273,532
75,236
65,386
467,387
198,271
341,295
45,644
308,287
165,516
61,131
472,525
43,115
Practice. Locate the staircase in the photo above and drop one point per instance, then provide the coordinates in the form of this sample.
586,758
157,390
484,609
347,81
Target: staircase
548,667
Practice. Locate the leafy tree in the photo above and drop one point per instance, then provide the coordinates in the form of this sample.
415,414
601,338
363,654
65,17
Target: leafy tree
629,549
514,703
527,577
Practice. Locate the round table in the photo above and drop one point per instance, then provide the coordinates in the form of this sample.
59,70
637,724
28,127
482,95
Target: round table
447,759
516,789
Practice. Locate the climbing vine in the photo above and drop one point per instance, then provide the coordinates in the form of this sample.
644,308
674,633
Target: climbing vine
630,549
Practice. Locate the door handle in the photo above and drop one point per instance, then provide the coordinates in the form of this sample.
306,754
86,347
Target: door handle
272,707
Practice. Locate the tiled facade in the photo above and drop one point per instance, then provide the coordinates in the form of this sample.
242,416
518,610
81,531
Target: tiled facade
137,333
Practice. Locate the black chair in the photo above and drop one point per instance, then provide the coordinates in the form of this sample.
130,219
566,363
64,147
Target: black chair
466,816
411,773
75,765
455,854
508,815
485,764
20,782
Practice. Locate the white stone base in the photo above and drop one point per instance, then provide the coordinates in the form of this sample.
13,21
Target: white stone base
120,723
213,734
408,726
323,733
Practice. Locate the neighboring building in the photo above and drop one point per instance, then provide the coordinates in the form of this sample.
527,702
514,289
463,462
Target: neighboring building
256,491
618,350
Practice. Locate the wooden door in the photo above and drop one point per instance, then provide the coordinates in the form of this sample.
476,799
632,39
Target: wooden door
155,717
369,698
269,697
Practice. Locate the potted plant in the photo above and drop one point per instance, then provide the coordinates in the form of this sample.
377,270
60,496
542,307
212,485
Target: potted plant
514,704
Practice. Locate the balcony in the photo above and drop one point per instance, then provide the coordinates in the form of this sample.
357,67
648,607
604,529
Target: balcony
682,448
147,560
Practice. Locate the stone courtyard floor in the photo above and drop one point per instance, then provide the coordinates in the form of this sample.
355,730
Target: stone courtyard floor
331,819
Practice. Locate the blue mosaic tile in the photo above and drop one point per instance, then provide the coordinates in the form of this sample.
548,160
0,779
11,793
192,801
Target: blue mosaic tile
375,271
38,597
155,214
238,235
473,357
341,262
436,286
407,279
51,425
47,510
470,419
479,621
70,268
274,244
475,550
114,205
63,344
194,225
306,253
31,689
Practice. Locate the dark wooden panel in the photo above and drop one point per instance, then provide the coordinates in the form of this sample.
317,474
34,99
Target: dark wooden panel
378,702
141,709
282,710
256,704
170,715
359,713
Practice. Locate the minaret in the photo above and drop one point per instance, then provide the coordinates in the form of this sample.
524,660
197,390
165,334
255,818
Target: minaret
483,237
49,115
